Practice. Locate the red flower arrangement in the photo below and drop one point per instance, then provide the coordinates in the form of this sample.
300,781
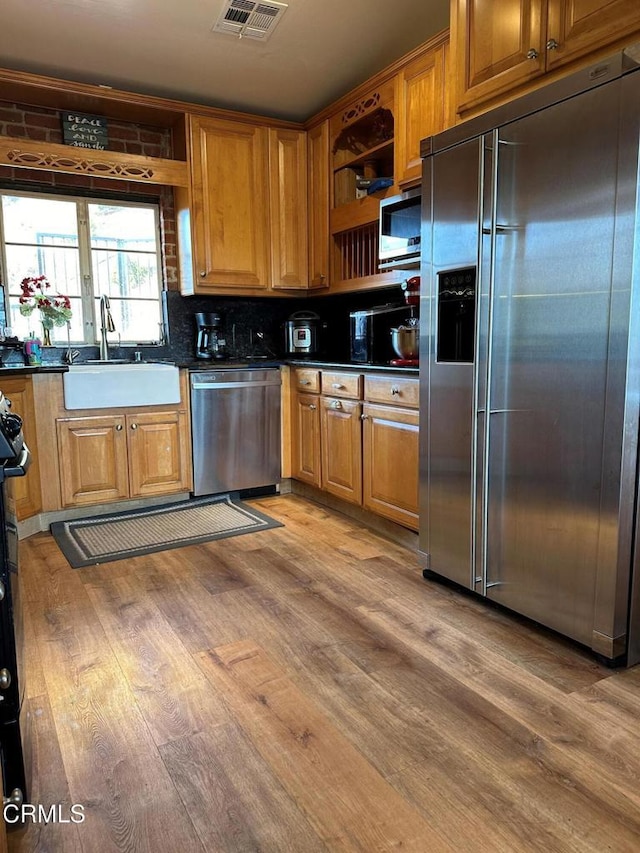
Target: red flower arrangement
54,310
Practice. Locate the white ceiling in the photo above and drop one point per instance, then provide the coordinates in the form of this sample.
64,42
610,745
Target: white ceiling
319,50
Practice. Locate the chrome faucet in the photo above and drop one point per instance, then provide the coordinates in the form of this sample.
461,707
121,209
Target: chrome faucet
106,325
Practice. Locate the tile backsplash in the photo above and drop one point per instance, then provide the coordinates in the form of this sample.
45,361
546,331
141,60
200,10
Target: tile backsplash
252,327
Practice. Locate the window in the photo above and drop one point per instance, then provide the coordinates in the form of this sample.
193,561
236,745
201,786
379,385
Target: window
85,248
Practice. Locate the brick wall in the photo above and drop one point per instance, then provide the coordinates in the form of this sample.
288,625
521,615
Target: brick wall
45,125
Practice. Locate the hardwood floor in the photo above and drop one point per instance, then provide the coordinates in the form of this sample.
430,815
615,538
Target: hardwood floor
304,689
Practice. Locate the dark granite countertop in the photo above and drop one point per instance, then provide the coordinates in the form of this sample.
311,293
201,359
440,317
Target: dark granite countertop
202,364
26,369
349,365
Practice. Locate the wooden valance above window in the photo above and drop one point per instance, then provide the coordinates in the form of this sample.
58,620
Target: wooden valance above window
52,157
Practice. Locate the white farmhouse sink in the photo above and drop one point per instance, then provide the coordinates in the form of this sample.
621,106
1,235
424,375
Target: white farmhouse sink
104,386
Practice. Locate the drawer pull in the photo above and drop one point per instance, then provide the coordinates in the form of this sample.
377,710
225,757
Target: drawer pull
395,391
336,404
304,382
337,385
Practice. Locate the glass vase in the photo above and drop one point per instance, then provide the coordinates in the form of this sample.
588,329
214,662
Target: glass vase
46,336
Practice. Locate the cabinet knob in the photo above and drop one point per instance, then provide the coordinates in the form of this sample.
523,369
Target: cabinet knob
134,426
336,404
312,407
118,427
203,274
364,417
552,44
15,798
395,391
532,54
5,679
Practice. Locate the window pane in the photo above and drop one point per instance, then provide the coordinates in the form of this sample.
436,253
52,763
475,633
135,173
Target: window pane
38,220
132,228
128,274
135,320
61,267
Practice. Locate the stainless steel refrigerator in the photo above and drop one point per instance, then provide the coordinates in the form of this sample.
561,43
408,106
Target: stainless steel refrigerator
530,355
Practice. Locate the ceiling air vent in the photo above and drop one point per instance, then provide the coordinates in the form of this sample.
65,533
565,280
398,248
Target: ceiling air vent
249,19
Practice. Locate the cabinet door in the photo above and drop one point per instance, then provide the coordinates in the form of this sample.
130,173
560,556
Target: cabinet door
158,453
498,46
288,205
25,490
318,205
390,463
421,110
93,453
306,439
230,209
578,27
341,443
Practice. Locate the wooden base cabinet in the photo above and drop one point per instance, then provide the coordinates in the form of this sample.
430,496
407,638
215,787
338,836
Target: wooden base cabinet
341,442
93,454
365,453
113,457
158,446
390,463
306,439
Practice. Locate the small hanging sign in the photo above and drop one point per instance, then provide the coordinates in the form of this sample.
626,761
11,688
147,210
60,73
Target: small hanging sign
85,131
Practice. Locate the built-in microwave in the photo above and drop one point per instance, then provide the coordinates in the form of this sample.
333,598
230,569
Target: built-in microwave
399,245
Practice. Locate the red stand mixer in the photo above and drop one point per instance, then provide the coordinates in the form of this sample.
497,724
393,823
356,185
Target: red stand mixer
405,338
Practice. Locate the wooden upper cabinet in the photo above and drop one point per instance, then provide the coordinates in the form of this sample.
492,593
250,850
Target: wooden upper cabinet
242,227
421,109
288,206
318,204
229,199
579,27
498,47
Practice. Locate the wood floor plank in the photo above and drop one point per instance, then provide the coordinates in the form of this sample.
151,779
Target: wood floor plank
346,800
111,763
170,690
49,787
475,731
587,770
233,798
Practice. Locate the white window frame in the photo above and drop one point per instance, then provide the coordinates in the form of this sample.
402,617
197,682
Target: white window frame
88,297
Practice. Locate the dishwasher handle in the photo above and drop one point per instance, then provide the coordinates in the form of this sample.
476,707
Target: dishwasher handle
217,386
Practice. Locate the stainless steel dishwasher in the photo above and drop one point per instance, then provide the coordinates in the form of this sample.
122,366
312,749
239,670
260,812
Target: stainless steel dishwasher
235,429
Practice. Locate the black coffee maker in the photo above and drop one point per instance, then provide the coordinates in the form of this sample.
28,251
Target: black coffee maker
209,341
